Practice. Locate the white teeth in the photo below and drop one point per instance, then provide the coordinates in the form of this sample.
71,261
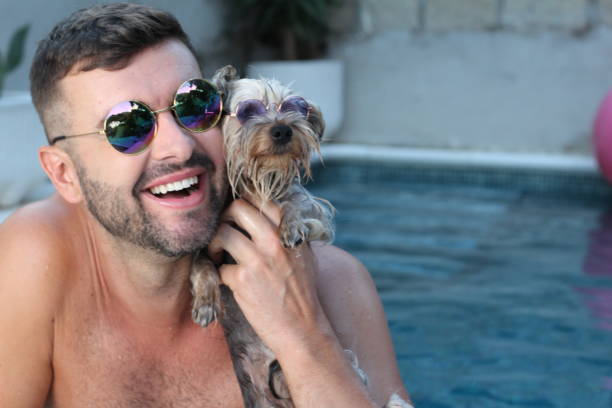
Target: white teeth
175,186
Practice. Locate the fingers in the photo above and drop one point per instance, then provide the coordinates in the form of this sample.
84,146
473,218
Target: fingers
233,241
268,208
260,223
229,275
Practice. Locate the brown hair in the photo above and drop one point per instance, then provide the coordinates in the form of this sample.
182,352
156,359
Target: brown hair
102,36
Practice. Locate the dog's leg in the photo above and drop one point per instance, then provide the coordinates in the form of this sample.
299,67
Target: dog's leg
305,218
293,230
257,370
205,290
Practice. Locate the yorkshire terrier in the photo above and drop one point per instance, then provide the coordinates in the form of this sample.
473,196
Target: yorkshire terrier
269,136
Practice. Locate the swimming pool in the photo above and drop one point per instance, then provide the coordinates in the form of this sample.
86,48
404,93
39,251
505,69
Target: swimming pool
497,282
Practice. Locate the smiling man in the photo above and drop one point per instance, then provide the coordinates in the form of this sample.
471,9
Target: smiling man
94,281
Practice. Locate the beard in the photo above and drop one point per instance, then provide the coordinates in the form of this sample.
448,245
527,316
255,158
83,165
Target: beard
130,221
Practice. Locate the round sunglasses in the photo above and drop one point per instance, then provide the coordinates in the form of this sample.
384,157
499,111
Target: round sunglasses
251,108
131,126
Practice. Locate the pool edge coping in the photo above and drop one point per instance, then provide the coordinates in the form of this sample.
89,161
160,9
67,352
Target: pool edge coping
453,158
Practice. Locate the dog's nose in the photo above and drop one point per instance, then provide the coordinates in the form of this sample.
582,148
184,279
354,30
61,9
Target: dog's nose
281,134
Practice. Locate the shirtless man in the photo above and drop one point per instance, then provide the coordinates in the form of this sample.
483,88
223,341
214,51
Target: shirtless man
94,281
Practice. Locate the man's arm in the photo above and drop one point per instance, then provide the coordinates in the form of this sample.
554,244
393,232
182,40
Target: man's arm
276,288
354,309
26,313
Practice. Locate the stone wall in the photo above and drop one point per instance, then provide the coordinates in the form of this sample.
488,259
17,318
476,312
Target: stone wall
452,15
505,75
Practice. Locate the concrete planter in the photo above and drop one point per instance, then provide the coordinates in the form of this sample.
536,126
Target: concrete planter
321,81
20,136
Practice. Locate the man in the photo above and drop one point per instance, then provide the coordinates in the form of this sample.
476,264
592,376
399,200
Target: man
94,281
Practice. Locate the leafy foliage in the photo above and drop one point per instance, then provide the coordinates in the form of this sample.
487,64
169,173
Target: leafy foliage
296,29
14,56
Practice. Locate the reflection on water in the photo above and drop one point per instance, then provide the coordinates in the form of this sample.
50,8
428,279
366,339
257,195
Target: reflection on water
496,297
598,263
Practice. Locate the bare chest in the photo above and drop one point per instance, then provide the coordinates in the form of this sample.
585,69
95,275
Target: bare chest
100,366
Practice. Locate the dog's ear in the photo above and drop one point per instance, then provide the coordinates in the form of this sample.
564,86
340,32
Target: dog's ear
315,117
224,75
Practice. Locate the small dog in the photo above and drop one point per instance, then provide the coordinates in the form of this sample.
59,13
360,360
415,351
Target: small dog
269,136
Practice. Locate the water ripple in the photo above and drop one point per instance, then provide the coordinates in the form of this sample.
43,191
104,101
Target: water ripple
496,296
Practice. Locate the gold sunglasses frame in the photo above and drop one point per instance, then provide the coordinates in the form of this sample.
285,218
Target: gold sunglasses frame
154,113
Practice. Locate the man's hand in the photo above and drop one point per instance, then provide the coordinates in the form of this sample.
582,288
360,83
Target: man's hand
274,286
292,302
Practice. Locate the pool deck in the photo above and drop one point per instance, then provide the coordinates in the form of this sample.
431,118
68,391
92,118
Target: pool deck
432,157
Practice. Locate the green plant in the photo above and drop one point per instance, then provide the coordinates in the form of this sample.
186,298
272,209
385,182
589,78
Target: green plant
294,29
14,55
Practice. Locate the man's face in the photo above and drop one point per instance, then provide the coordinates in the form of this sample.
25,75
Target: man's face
116,186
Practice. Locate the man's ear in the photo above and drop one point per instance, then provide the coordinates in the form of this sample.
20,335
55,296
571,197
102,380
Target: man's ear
61,171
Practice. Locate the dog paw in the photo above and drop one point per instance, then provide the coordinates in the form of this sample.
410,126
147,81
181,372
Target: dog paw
202,313
292,235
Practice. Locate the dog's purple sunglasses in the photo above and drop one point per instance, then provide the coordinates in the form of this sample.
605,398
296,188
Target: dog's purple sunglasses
252,108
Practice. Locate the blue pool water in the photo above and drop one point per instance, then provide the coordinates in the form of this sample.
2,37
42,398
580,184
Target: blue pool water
497,284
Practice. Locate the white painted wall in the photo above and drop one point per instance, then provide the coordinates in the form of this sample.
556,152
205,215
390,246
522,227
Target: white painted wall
505,75
476,89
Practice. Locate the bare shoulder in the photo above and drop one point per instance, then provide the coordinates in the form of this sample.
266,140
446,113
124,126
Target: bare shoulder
331,258
352,304
31,285
32,241
346,291
43,222
345,288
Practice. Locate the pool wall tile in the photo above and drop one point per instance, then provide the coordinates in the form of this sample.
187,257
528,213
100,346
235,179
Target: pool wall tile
560,184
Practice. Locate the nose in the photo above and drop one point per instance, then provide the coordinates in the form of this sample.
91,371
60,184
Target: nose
172,142
281,134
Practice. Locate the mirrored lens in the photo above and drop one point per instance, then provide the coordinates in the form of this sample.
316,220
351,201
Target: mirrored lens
197,105
295,104
249,109
130,127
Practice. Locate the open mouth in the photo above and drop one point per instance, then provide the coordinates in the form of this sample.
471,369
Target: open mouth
184,193
177,189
